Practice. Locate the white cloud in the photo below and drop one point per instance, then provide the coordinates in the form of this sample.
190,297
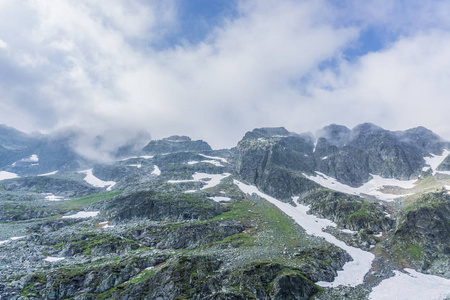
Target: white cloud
93,64
401,87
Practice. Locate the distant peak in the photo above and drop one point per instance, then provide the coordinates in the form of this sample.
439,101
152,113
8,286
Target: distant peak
177,138
268,132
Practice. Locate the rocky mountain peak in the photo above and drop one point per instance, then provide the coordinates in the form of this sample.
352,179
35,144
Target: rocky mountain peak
174,144
335,134
267,132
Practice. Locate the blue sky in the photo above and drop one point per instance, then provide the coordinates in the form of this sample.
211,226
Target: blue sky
216,69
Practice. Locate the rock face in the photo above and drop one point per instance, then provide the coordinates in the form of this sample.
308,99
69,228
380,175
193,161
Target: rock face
269,158
350,156
199,277
157,206
175,144
423,232
351,212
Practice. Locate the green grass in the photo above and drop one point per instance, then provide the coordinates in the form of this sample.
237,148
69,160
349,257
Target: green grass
415,252
73,204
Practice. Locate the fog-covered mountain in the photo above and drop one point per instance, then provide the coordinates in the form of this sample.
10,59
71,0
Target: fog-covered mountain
339,214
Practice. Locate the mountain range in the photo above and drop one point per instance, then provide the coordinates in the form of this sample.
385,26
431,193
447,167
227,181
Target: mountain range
360,213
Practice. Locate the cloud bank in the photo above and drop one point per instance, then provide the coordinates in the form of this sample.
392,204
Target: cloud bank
299,64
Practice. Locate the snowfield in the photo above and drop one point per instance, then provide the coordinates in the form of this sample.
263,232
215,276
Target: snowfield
435,160
48,174
372,187
354,271
97,182
53,259
215,158
412,285
212,180
220,199
156,171
7,175
51,197
82,214
14,238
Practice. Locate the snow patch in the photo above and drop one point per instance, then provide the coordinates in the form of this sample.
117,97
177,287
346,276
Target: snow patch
53,259
211,180
435,160
51,197
213,162
215,157
33,158
411,285
156,171
82,214
378,234
192,162
372,187
7,175
147,156
220,199
354,271
105,225
325,157
92,180
349,231
14,238
48,174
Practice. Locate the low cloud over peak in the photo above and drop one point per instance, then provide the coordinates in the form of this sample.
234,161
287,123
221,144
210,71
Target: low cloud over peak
298,64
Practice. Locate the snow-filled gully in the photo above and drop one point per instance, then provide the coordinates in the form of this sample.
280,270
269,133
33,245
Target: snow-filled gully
403,286
354,271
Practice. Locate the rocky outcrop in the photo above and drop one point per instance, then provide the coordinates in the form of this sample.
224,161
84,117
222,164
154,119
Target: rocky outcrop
185,236
175,144
350,156
46,184
200,277
348,211
272,159
159,206
422,233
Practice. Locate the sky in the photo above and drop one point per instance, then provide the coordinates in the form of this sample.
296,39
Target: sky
214,69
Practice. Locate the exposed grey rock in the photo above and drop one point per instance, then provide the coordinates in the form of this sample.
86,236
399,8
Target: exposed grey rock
175,144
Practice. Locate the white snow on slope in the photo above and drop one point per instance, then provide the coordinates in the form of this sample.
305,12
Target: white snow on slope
51,197
156,171
211,180
447,187
435,160
213,162
220,199
7,175
92,180
105,225
372,187
215,157
53,259
147,156
354,271
411,285
82,215
48,174
14,238
33,158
